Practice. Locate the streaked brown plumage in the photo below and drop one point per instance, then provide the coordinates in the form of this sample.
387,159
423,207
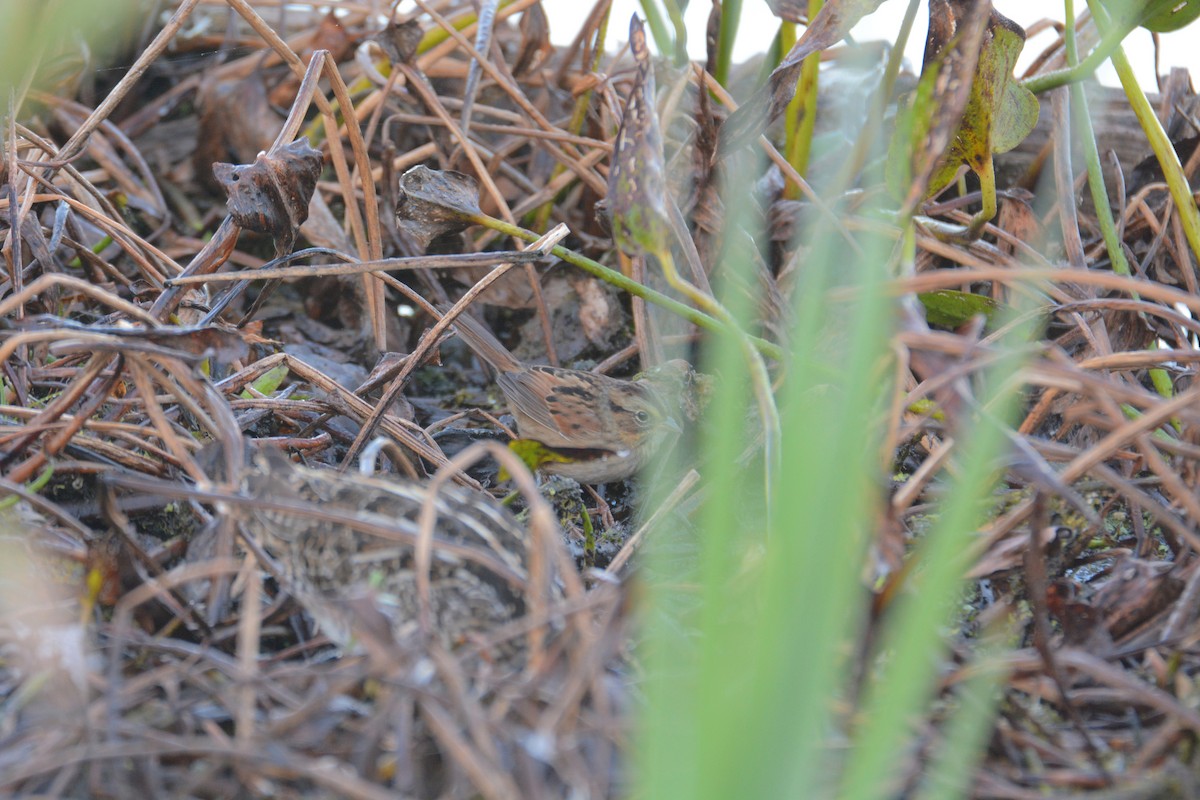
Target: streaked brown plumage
607,428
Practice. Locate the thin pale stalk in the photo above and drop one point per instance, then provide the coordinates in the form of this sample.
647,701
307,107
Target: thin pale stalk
614,278
436,36
1082,119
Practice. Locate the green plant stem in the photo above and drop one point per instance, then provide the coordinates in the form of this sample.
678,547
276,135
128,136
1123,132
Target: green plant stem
35,485
614,278
785,38
658,28
987,188
759,377
802,113
1080,71
676,16
1168,159
731,14
1082,119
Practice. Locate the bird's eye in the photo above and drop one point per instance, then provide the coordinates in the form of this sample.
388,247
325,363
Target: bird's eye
642,417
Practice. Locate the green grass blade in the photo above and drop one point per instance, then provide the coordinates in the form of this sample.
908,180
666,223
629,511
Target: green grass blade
912,645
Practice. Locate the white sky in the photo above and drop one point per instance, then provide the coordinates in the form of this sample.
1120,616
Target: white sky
758,26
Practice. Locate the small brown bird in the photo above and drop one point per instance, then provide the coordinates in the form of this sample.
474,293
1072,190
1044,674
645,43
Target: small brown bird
604,428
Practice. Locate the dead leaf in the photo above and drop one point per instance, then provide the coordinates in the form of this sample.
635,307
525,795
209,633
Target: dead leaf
791,10
535,40
322,228
400,41
596,307
186,343
330,35
434,203
236,123
271,195
1018,220
637,182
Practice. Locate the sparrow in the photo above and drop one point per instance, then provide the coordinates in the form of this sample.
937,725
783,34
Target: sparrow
595,429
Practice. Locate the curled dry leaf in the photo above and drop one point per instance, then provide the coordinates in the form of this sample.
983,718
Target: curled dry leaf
535,40
271,195
400,41
433,203
637,182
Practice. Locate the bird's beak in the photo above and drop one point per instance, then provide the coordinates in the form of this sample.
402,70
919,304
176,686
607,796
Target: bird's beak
672,425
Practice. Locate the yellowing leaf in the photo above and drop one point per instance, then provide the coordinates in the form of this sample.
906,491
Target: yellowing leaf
951,56
1000,112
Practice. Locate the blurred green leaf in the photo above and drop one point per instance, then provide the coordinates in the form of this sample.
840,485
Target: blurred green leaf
58,41
949,308
267,383
913,119
827,28
1160,16
1174,17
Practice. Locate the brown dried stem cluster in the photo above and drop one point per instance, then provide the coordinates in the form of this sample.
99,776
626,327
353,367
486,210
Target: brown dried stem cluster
145,656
